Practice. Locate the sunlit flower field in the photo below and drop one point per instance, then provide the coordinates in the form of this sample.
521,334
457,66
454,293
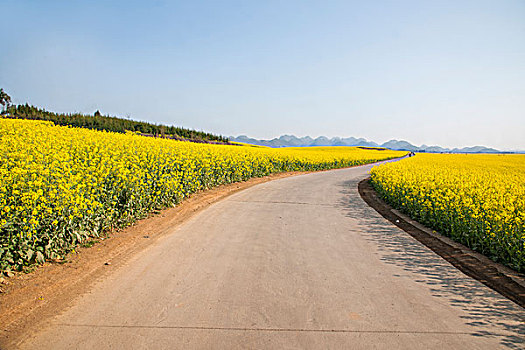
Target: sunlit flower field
60,186
478,200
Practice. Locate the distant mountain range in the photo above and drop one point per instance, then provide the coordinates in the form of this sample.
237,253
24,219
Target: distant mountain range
293,141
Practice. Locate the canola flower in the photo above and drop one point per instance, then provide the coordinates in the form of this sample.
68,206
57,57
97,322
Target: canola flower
478,200
61,186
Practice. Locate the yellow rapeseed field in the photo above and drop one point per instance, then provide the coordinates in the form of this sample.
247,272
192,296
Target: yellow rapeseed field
61,186
478,200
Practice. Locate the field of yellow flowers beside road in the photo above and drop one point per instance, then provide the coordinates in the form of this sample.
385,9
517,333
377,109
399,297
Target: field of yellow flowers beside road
477,200
60,186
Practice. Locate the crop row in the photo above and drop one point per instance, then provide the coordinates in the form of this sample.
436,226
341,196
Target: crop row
477,200
62,186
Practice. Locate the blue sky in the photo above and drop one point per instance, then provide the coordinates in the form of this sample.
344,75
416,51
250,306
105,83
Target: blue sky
437,72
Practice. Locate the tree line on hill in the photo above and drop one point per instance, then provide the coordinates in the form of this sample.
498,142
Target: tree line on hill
97,121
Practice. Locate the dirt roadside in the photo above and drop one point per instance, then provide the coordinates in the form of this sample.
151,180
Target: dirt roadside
502,279
28,300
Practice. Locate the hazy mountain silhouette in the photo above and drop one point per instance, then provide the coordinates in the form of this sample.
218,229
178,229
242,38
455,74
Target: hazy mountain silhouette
307,141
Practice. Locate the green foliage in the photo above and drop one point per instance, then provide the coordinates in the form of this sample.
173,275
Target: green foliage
107,123
5,99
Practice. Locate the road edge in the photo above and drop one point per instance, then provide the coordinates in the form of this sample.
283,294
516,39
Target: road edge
32,299
499,278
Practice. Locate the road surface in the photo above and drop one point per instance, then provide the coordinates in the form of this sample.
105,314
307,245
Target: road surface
296,263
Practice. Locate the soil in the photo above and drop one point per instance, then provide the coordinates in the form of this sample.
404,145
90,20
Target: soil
29,299
502,279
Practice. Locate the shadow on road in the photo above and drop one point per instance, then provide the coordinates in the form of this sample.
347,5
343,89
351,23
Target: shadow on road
483,307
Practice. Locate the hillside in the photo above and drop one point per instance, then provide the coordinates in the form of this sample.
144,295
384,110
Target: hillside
114,124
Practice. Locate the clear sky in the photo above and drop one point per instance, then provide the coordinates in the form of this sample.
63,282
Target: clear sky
450,73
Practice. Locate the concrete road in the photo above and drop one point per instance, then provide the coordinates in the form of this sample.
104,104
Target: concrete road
297,263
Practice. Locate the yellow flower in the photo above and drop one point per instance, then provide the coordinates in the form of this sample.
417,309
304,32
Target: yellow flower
476,199
50,175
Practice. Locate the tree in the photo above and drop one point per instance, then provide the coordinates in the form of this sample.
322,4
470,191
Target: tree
5,99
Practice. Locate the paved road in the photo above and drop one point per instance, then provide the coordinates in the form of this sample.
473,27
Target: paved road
300,262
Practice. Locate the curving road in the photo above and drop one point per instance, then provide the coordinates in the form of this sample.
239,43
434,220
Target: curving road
300,262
